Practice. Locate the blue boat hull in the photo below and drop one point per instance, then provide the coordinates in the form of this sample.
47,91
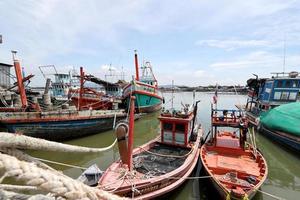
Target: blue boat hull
62,130
285,141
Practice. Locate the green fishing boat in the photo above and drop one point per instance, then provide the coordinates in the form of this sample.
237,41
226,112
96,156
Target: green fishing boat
145,89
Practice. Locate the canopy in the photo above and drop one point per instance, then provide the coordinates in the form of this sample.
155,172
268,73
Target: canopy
285,118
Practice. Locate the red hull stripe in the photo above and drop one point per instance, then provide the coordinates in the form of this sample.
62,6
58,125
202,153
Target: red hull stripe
145,93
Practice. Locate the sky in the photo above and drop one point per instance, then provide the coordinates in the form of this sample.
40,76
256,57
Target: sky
193,42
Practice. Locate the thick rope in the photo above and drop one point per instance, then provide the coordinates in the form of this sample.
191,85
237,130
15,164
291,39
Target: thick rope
17,188
25,157
16,196
25,142
49,181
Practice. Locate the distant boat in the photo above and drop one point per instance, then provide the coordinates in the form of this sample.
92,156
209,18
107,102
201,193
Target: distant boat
145,89
159,166
237,170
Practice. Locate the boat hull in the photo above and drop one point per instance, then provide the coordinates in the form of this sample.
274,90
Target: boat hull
63,127
293,143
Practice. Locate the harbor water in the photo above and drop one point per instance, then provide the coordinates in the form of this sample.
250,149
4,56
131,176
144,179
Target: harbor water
284,165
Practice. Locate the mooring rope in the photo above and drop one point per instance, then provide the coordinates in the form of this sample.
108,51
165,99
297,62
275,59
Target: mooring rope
270,195
168,155
49,181
25,142
59,163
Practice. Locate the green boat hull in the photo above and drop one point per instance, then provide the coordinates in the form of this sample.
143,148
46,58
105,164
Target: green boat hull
146,103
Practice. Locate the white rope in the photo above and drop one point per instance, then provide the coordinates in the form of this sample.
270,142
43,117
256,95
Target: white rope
58,163
49,181
271,195
17,188
25,142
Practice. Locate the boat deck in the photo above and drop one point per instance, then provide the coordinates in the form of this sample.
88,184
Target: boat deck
151,163
220,162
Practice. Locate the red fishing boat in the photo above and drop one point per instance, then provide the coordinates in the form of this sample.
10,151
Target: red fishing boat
158,166
237,168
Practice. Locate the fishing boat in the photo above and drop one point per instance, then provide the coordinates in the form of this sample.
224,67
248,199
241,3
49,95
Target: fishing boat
55,124
267,93
159,166
145,89
237,169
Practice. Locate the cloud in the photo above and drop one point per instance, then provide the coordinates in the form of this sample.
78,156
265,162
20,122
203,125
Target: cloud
257,58
233,44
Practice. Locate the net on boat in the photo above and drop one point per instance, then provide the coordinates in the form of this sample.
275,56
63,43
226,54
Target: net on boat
155,164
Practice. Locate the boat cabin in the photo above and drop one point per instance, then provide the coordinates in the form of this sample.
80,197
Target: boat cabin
147,75
228,118
176,129
268,93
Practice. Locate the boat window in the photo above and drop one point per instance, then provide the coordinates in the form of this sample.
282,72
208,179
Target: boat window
293,96
168,126
284,95
279,84
294,84
180,127
277,95
288,83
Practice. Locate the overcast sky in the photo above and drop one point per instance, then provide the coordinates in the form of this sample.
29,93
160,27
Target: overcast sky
196,42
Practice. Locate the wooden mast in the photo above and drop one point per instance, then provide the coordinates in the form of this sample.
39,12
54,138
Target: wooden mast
21,87
81,88
130,134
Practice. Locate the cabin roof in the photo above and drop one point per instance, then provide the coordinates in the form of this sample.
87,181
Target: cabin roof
103,82
5,64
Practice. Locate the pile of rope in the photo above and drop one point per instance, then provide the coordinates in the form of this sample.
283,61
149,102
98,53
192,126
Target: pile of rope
39,177
49,181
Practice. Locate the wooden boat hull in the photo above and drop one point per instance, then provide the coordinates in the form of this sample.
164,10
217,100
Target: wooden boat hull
291,142
62,127
155,186
223,192
94,103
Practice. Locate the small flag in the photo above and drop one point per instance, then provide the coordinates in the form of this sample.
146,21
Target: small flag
215,97
0,39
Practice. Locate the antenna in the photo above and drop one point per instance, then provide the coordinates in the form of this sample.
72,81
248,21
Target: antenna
172,94
284,51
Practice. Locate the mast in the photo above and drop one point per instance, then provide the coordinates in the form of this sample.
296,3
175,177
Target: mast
172,95
130,134
20,80
81,87
136,66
